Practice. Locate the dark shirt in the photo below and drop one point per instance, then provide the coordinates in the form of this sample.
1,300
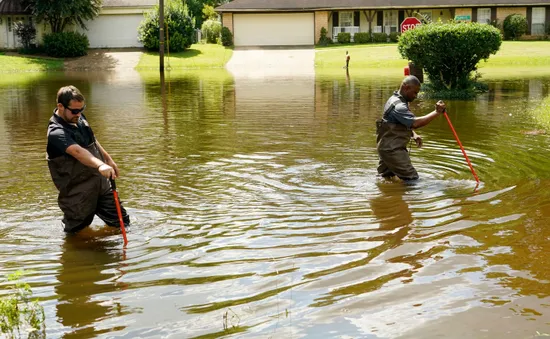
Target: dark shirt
61,135
399,113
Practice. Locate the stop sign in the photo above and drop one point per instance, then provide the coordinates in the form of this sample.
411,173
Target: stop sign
409,23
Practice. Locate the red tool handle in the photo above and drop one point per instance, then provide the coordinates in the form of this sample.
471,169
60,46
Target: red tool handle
461,147
118,210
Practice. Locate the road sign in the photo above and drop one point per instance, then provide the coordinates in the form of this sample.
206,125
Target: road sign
409,23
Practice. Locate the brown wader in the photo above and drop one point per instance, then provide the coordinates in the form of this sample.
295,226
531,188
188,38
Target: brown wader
83,192
391,143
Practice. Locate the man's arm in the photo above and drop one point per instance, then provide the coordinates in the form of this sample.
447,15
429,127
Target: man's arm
426,119
108,160
86,158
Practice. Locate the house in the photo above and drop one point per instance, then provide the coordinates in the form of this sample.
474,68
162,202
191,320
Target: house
116,25
299,22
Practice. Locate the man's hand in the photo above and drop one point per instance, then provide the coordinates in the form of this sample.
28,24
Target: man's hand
111,163
107,171
418,139
440,107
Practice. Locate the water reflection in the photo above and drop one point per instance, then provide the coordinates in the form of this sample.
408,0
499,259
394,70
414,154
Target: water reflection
258,211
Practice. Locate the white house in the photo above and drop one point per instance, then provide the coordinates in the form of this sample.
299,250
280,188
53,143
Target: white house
115,27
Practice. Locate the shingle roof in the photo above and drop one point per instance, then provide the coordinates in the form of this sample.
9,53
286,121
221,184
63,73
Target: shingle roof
129,3
308,5
12,7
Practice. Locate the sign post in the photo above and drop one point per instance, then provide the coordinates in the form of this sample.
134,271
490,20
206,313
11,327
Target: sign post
409,23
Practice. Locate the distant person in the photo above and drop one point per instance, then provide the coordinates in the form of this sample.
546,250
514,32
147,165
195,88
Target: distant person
79,166
396,129
347,60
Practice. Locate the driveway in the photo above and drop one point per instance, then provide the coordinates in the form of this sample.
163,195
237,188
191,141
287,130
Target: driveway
260,62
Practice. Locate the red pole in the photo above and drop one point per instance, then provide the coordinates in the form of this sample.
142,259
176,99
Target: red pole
461,147
119,211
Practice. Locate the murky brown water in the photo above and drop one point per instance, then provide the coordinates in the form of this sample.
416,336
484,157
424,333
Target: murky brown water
255,206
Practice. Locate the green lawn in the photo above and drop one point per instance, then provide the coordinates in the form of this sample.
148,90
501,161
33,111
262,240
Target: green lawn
199,56
511,53
26,64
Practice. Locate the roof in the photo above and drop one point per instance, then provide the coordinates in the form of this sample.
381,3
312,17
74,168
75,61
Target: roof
12,7
309,5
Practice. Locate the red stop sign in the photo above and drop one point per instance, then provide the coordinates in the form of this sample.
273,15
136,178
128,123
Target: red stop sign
409,23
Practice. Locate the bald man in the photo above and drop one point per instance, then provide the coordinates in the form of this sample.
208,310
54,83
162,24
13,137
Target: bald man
396,129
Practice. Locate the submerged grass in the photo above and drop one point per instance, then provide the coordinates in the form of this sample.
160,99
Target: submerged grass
198,56
541,113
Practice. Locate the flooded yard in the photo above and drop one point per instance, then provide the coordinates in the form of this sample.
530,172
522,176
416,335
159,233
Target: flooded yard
256,211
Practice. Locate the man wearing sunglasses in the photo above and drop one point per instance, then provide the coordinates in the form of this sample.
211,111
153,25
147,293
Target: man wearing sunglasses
79,166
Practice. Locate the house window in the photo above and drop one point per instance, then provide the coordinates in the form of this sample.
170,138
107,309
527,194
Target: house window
390,21
346,19
538,21
484,15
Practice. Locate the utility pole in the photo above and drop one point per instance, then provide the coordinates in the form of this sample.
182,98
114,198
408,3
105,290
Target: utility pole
161,38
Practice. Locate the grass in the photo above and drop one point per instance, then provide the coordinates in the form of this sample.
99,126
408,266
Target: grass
541,114
517,54
199,56
26,64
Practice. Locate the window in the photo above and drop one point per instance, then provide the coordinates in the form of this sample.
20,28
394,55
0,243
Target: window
538,21
484,15
346,19
390,21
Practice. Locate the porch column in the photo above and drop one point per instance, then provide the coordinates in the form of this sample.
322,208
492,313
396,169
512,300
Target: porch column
321,20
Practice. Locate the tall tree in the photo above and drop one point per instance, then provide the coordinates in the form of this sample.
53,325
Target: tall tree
196,6
61,14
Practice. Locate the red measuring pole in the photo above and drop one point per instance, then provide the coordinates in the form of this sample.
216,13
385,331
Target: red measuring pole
119,211
461,147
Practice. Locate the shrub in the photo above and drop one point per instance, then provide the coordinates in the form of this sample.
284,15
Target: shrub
323,39
362,38
211,29
227,37
66,44
179,24
344,38
449,52
394,36
379,37
26,33
514,26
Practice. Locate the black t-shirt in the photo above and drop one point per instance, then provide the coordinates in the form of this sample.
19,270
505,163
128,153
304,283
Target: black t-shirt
61,135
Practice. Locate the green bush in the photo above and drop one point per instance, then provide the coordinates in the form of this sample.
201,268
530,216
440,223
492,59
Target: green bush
179,24
394,36
344,38
26,33
211,30
323,39
379,37
66,44
227,37
449,52
362,38
514,26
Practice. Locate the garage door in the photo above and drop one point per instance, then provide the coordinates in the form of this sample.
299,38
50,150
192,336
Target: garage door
274,29
114,31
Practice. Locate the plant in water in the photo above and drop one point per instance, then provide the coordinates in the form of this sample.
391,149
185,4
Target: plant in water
19,313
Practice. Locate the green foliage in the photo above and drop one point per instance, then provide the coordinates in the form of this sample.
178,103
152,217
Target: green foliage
26,33
362,38
450,52
227,37
61,14
394,36
495,23
514,26
324,39
379,37
66,44
211,30
178,24
196,9
18,312
344,38
208,13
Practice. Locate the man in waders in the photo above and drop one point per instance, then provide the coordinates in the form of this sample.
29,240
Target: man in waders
79,166
396,129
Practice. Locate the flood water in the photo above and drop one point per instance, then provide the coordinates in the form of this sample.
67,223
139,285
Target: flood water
256,211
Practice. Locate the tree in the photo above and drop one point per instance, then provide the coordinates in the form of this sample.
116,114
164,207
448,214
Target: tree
196,7
179,27
208,13
450,52
514,26
61,14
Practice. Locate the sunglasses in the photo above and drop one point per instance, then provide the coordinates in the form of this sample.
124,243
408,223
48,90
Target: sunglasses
75,111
